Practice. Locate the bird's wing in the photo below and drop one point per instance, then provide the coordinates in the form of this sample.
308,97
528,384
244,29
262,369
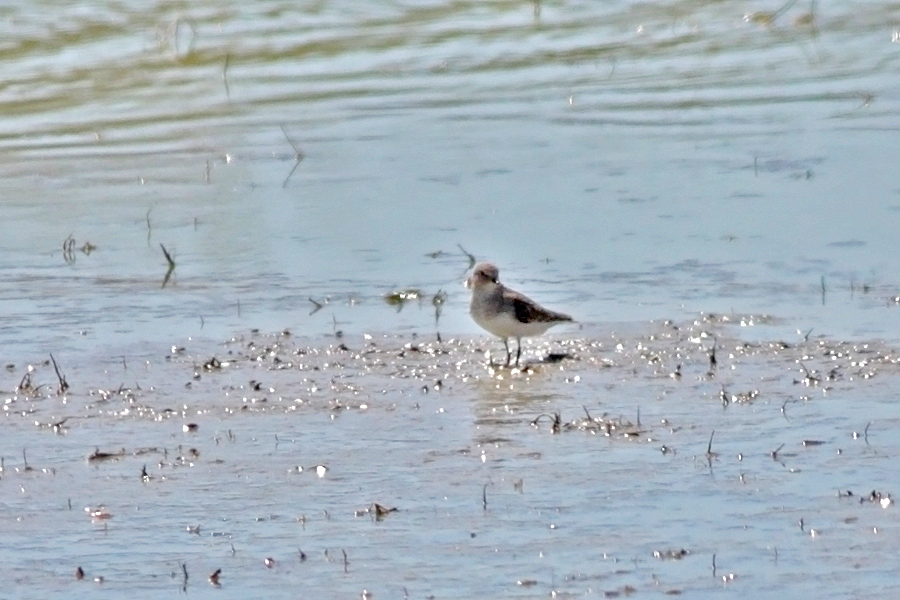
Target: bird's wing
528,311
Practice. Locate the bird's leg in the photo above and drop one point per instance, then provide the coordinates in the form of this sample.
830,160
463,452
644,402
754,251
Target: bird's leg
508,353
519,351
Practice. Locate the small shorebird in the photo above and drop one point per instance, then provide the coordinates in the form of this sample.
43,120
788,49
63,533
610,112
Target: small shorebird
506,313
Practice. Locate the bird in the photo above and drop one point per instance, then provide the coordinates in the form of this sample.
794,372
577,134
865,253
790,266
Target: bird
505,312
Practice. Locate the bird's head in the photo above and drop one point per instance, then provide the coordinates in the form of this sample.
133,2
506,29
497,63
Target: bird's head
483,274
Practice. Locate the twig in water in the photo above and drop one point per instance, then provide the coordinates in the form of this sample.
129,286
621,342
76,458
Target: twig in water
866,433
63,384
175,31
823,290
471,257
69,250
168,257
171,265
774,453
710,455
346,562
149,228
555,418
714,565
225,75
298,157
25,384
783,9
768,18
484,497
316,306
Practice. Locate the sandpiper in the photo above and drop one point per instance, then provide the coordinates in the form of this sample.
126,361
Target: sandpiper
506,313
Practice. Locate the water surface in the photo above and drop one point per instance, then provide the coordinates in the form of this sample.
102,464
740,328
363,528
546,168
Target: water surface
625,162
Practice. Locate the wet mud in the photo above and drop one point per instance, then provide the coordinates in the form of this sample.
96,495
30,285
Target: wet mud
625,460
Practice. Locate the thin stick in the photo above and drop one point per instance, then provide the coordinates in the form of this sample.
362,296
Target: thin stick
168,256
783,9
471,257
69,250
193,32
774,453
225,76
171,265
63,384
298,156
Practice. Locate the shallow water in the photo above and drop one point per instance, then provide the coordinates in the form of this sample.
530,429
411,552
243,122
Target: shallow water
656,160
626,163
625,494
